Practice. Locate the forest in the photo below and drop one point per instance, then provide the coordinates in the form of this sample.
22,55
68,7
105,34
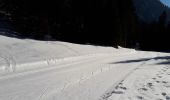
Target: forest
98,22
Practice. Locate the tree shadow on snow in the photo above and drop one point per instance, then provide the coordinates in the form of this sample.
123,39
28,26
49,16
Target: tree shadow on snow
166,60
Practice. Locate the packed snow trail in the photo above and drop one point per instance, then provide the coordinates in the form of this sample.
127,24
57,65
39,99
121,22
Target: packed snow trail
38,70
87,80
57,79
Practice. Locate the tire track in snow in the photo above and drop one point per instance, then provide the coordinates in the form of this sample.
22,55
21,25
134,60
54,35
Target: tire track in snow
85,76
78,81
102,66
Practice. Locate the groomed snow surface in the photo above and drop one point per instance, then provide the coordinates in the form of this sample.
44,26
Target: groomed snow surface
52,70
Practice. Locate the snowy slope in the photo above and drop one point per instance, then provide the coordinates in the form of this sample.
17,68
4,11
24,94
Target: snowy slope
53,70
17,53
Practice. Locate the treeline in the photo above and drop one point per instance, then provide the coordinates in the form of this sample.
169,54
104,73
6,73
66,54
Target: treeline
99,22
155,35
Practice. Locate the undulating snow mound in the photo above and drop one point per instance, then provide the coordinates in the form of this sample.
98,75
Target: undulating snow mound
15,52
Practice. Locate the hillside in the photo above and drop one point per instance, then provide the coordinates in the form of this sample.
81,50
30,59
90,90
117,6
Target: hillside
150,10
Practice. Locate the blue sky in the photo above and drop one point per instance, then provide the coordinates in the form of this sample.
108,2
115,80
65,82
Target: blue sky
166,2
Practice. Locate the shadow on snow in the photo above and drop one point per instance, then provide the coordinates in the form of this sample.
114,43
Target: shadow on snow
166,60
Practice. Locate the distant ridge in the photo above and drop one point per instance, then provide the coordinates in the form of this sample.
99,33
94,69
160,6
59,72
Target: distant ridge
150,10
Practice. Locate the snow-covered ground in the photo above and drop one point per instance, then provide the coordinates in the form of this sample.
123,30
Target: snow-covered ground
52,70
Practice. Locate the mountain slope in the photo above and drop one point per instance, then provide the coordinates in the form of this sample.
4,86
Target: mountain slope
150,10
